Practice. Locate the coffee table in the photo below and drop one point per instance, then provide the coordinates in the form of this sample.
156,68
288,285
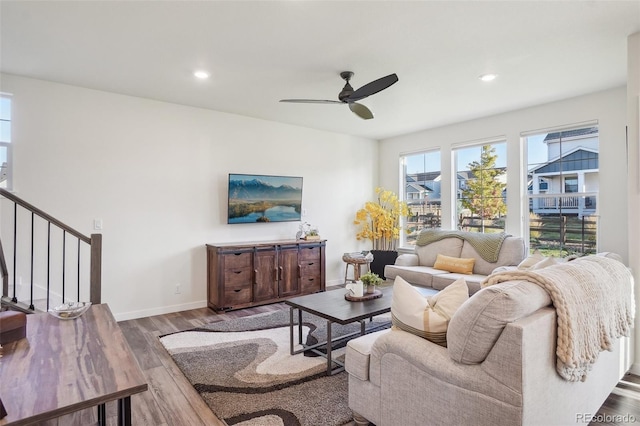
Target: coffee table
332,306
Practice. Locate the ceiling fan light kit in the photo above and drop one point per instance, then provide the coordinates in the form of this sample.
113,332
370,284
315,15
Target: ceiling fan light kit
349,96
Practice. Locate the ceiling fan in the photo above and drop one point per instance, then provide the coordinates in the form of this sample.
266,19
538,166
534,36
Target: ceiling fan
350,97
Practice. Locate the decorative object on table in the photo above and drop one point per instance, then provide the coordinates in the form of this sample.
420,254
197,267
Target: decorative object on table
371,280
13,326
307,232
312,235
224,367
379,222
70,310
355,289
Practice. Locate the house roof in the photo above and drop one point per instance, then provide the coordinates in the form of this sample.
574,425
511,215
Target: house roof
571,133
577,159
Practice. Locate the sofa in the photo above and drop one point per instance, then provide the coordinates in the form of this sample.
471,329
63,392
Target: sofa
498,367
417,268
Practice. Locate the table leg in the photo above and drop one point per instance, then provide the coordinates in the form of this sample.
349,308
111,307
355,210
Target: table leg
300,326
124,411
291,330
102,415
362,327
329,363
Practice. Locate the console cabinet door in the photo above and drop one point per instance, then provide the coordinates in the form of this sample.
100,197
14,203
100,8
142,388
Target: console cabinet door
289,271
266,275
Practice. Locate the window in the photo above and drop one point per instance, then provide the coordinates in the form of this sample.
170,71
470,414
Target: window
562,190
481,184
422,192
5,142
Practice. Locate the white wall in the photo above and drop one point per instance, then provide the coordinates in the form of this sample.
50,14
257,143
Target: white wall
633,121
156,174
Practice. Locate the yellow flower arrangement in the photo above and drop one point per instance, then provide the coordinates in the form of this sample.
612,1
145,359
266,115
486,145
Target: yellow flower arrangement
380,221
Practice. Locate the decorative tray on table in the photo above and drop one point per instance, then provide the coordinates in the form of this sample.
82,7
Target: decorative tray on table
70,310
367,296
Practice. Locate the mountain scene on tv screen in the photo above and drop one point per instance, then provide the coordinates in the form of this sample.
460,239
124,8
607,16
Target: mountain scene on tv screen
264,199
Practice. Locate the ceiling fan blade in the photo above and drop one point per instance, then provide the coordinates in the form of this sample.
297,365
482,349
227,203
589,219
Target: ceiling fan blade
311,101
361,111
373,88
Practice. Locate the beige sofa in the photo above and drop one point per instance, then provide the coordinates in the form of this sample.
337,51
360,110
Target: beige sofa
497,369
417,267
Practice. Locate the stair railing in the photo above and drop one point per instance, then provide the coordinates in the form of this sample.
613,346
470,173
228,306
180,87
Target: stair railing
95,262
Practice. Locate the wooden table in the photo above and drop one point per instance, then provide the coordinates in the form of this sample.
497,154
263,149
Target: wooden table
332,306
64,366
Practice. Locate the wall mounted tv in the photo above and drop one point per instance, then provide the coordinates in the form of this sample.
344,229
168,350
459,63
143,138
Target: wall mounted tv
264,198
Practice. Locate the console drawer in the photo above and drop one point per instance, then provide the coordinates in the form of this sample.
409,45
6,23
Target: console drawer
237,277
310,253
236,296
237,260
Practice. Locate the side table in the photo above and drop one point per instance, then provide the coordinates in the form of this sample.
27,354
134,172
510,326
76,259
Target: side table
356,260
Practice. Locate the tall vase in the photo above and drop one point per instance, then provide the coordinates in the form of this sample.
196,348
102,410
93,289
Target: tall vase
382,258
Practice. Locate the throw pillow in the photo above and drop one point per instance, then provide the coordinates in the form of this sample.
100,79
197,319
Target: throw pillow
548,261
454,264
427,317
531,260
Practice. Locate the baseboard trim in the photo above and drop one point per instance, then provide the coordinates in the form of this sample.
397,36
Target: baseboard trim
124,316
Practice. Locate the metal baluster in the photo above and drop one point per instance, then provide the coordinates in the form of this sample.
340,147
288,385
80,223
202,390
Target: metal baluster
78,294
32,233
48,263
15,247
64,258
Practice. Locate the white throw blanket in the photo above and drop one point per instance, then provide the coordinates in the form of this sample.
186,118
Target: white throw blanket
593,298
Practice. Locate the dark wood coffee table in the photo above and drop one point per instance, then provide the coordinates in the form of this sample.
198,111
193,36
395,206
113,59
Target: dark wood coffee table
332,306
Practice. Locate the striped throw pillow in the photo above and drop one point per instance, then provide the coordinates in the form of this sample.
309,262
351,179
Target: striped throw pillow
427,317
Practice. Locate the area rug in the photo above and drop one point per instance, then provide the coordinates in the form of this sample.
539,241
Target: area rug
243,370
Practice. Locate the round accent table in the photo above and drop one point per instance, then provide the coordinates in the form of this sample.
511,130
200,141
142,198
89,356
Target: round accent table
356,262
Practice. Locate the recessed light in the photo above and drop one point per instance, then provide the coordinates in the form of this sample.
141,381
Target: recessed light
202,75
488,77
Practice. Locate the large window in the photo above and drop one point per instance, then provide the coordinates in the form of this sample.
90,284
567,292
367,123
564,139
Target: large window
5,142
422,192
481,184
562,190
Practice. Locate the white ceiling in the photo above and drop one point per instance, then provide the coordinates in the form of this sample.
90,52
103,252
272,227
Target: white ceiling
261,51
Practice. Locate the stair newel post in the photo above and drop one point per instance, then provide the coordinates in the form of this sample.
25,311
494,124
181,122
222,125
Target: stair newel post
15,247
48,263
95,284
32,236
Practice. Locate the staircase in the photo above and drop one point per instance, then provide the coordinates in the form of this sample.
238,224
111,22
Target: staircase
44,262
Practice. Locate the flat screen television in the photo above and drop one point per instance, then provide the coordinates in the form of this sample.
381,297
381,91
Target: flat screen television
264,198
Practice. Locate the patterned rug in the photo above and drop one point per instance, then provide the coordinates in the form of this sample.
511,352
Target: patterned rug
244,372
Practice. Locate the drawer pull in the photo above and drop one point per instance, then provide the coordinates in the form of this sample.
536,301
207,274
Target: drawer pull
237,254
237,290
310,263
237,272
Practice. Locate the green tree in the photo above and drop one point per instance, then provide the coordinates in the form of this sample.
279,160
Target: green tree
483,193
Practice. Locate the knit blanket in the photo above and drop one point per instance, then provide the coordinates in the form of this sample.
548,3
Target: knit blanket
593,298
487,245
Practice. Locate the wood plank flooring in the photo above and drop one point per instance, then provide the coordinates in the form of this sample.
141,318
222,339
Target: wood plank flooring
172,401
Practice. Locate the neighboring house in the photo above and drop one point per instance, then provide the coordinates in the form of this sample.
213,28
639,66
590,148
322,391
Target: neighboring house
572,168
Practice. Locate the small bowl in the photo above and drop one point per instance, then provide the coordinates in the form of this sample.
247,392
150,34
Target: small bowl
70,310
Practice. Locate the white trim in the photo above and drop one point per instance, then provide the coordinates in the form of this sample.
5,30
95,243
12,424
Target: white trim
565,128
480,142
124,316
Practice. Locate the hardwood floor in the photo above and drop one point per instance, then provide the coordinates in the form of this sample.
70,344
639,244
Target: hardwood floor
172,401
